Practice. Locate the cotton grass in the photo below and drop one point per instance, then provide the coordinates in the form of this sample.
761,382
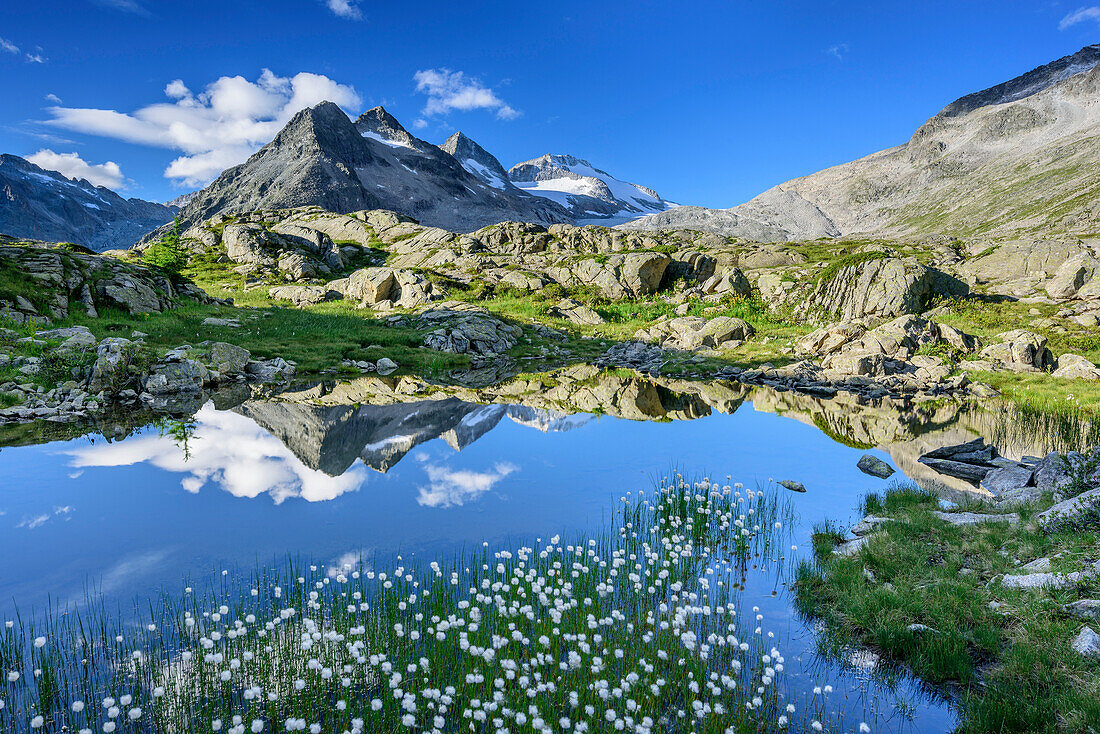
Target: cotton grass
637,629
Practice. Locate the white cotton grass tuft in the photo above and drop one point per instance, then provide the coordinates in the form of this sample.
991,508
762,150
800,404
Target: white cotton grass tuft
588,634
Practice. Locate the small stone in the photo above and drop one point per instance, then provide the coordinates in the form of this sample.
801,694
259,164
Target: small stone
1087,642
1084,609
792,485
921,628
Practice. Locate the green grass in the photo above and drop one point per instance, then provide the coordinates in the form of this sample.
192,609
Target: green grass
1010,667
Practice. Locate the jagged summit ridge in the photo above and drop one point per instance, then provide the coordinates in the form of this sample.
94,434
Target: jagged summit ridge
322,158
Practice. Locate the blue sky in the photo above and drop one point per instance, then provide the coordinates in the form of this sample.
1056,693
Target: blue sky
707,102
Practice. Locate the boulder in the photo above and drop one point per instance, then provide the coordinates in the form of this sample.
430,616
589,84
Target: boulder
576,313
388,286
696,332
832,338
229,359
385,366
185,376
248,243
731,283
1070,276
1020,351
111,370
1070,512
300,295
1076,367
1002,480
270,370
884,287
470,332
874,466
856,363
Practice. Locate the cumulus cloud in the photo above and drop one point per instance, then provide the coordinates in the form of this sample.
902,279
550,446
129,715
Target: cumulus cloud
53,98
450,488
216,128
228,451
72,165
453,90
345,8
1080,16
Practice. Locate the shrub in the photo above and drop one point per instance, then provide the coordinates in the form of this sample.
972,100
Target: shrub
167,253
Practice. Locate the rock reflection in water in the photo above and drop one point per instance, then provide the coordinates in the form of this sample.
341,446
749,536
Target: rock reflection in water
314,441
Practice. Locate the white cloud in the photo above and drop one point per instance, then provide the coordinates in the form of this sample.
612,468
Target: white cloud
1079,16
6,45
228,451
451,488
126,6
420,123
53,98
452,90
217,128
345,8
72,165
36,58
30,523
838,50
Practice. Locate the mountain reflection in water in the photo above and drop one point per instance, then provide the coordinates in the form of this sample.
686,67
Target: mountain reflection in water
316,442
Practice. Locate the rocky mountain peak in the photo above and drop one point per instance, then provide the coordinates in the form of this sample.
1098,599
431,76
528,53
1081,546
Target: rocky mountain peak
476,160
1025,85
592,195
380,125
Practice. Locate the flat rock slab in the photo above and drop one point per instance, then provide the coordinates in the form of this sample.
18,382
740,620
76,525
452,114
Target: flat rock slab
966,519
960,469
1087,642
874,466
1050,580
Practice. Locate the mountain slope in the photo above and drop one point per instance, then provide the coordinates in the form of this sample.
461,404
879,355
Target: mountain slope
44,205
1019,156
322,158
589,193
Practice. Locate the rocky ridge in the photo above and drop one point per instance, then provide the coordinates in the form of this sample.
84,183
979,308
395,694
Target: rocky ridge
967,171
44,205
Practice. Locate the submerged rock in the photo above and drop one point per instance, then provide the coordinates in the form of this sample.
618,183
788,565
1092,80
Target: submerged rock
874,466
792,485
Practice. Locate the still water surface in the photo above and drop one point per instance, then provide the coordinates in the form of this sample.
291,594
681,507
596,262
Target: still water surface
266,481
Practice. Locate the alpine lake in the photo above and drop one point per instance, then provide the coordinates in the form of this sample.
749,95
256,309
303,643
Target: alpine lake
595,517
